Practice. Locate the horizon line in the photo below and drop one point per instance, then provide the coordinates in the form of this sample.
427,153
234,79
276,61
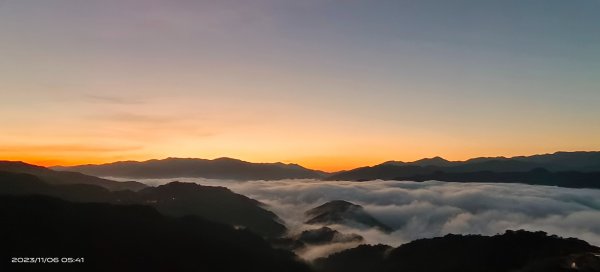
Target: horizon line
293,163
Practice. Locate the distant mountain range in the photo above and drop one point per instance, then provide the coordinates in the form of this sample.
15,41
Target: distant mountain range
67,177
562,168
566,169
222,168
584,161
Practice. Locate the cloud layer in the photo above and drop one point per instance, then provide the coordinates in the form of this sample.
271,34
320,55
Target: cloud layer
429,209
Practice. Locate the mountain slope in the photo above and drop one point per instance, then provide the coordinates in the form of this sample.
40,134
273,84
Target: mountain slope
343,212
564,161
66,177
128,238
567,169
511,251
558,161
222,168
217,204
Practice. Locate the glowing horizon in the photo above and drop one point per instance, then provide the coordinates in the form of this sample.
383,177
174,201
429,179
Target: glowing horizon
330,85
324,165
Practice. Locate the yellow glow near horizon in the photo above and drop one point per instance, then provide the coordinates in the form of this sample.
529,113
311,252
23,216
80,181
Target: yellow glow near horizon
324,85
108,132
324,163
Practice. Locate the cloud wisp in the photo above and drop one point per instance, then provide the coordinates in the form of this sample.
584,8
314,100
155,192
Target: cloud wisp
108,99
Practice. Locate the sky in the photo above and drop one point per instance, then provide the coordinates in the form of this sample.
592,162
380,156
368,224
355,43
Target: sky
328,84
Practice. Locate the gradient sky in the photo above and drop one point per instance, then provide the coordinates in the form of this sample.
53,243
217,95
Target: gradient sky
328,84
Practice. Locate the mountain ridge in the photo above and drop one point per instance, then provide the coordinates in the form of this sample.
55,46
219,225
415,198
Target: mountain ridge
562,157
559,167
518,250
67,177
555,159
217,204
343,212
219,168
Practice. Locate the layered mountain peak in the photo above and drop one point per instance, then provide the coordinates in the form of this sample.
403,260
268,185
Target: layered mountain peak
344,213
435,161
67,177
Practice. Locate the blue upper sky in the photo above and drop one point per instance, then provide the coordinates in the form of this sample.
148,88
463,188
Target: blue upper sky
326,83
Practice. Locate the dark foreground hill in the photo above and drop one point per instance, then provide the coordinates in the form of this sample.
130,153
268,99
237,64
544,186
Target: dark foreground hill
222,168
565,169
511,251
67,177
127,237
105,237
217,204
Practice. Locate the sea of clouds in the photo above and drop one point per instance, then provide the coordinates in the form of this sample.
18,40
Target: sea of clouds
427,209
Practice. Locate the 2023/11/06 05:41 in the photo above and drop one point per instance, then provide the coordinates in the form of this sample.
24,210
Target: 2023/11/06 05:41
47,260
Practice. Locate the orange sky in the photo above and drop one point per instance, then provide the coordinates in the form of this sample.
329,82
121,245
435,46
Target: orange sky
325,84
356,158
100,130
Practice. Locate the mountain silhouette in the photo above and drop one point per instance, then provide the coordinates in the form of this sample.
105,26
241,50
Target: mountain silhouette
511,251
585,161
67,177
217,204
222,168
128,238
435,161
566,161
565,169
27,184
343,212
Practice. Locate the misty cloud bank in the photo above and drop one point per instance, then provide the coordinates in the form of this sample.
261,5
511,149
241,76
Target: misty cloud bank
428,209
